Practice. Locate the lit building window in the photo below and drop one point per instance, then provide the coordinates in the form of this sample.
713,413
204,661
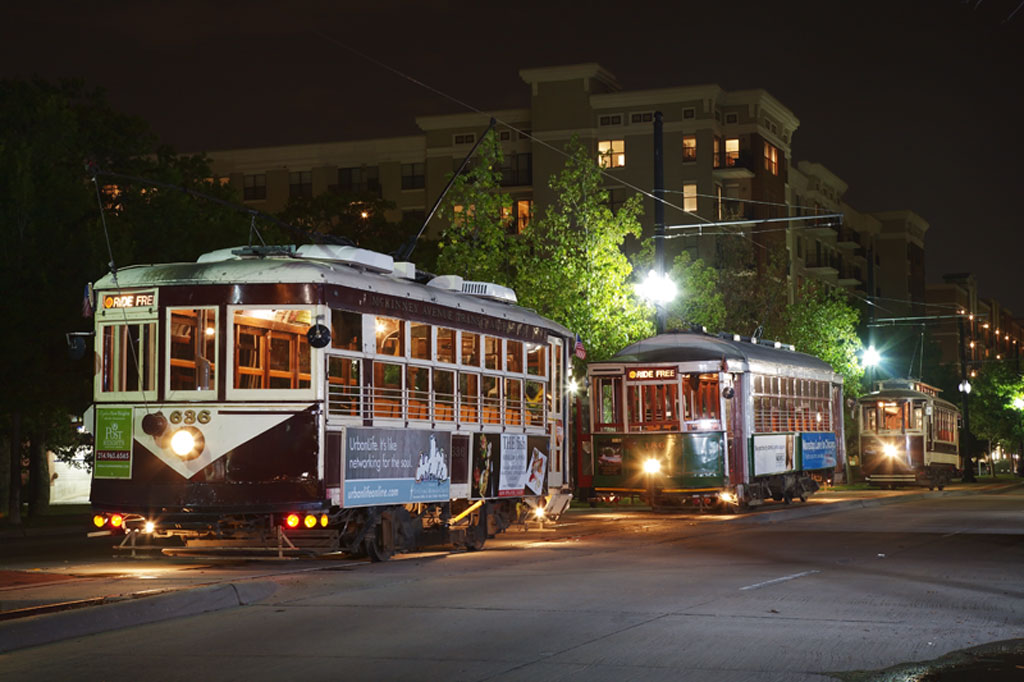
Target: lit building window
689,148
611,153
255,187
771,159
690,198
524,212
732,151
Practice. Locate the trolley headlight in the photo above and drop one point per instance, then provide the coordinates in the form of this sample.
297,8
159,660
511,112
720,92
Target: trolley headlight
652,466
149,527
188,442
890,450
727,497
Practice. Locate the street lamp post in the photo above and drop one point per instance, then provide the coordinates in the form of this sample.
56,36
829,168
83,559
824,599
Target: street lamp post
1018,404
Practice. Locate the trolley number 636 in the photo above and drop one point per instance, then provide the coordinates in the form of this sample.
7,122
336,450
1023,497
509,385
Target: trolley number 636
190,417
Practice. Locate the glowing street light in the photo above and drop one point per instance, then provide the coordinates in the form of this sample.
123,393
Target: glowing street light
871,357
657,288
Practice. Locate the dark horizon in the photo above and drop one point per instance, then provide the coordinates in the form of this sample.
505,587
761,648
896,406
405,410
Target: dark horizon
913,105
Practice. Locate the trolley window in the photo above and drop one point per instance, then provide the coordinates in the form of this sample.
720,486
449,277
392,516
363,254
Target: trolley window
652,407
700,397
346,330
533,403
128,357
535,360
446,345
390,334
469,398
491,399
192,349
343,387
470,349
607,404
271,350
419,339
387,390
492,352
444,395
513,401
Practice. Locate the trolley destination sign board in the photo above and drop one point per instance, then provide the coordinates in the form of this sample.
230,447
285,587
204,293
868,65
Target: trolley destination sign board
113,443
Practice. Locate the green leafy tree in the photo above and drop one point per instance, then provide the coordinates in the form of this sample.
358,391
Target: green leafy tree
572,268
359,218
822,323
55,243
993,415
477,243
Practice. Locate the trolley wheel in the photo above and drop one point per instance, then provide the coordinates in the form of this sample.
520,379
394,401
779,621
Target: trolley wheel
380,542
787,498
803,497
941,486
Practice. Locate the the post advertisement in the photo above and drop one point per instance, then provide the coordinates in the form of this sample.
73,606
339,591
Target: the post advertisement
396,466
113,443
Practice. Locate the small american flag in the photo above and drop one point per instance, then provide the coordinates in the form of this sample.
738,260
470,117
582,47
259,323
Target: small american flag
581,352
87,309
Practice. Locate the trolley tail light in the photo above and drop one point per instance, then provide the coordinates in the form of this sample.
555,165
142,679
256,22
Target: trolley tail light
99,520
309,521
292,520
116,521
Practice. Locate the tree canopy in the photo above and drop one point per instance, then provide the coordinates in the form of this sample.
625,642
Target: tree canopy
60,146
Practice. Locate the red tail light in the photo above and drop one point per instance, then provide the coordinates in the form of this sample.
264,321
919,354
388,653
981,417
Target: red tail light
292,520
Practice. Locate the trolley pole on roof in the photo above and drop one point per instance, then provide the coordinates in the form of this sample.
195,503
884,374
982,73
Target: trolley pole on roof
659,213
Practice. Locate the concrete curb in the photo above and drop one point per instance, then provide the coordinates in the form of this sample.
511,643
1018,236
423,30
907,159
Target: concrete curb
137,609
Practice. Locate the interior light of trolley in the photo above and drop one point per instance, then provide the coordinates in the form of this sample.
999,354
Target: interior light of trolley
292,520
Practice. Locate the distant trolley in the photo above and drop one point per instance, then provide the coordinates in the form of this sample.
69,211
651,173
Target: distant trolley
713,422
324,396
908,435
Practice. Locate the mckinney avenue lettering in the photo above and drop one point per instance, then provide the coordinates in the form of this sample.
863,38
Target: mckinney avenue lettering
421,311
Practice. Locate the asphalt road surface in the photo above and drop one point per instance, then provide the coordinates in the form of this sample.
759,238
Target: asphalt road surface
604,595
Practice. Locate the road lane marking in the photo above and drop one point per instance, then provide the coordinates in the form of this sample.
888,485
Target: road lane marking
779,580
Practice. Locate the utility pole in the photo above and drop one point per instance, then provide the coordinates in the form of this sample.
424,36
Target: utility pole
966,439
659,214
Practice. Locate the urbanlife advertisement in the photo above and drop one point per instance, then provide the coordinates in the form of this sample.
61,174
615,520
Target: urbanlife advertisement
396,466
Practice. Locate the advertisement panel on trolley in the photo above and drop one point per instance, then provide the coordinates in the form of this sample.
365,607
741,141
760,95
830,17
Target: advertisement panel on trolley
818,450
396,466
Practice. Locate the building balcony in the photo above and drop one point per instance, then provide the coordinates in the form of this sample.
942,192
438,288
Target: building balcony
733,165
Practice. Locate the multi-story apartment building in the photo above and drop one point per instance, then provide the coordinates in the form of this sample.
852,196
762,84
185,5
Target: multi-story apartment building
727,157
971,329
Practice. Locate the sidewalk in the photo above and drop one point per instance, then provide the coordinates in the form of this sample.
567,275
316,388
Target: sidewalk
70,520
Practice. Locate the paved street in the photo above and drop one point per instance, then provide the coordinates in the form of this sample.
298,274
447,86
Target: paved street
606,594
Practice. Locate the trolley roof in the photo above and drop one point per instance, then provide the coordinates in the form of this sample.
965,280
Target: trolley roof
902,390
696,347
297,269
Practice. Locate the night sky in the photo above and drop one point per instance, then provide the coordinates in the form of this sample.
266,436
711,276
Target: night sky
916,105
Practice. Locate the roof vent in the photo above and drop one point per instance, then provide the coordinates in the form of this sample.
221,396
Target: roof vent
446,282
495,292
349,255
405,270
219,255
